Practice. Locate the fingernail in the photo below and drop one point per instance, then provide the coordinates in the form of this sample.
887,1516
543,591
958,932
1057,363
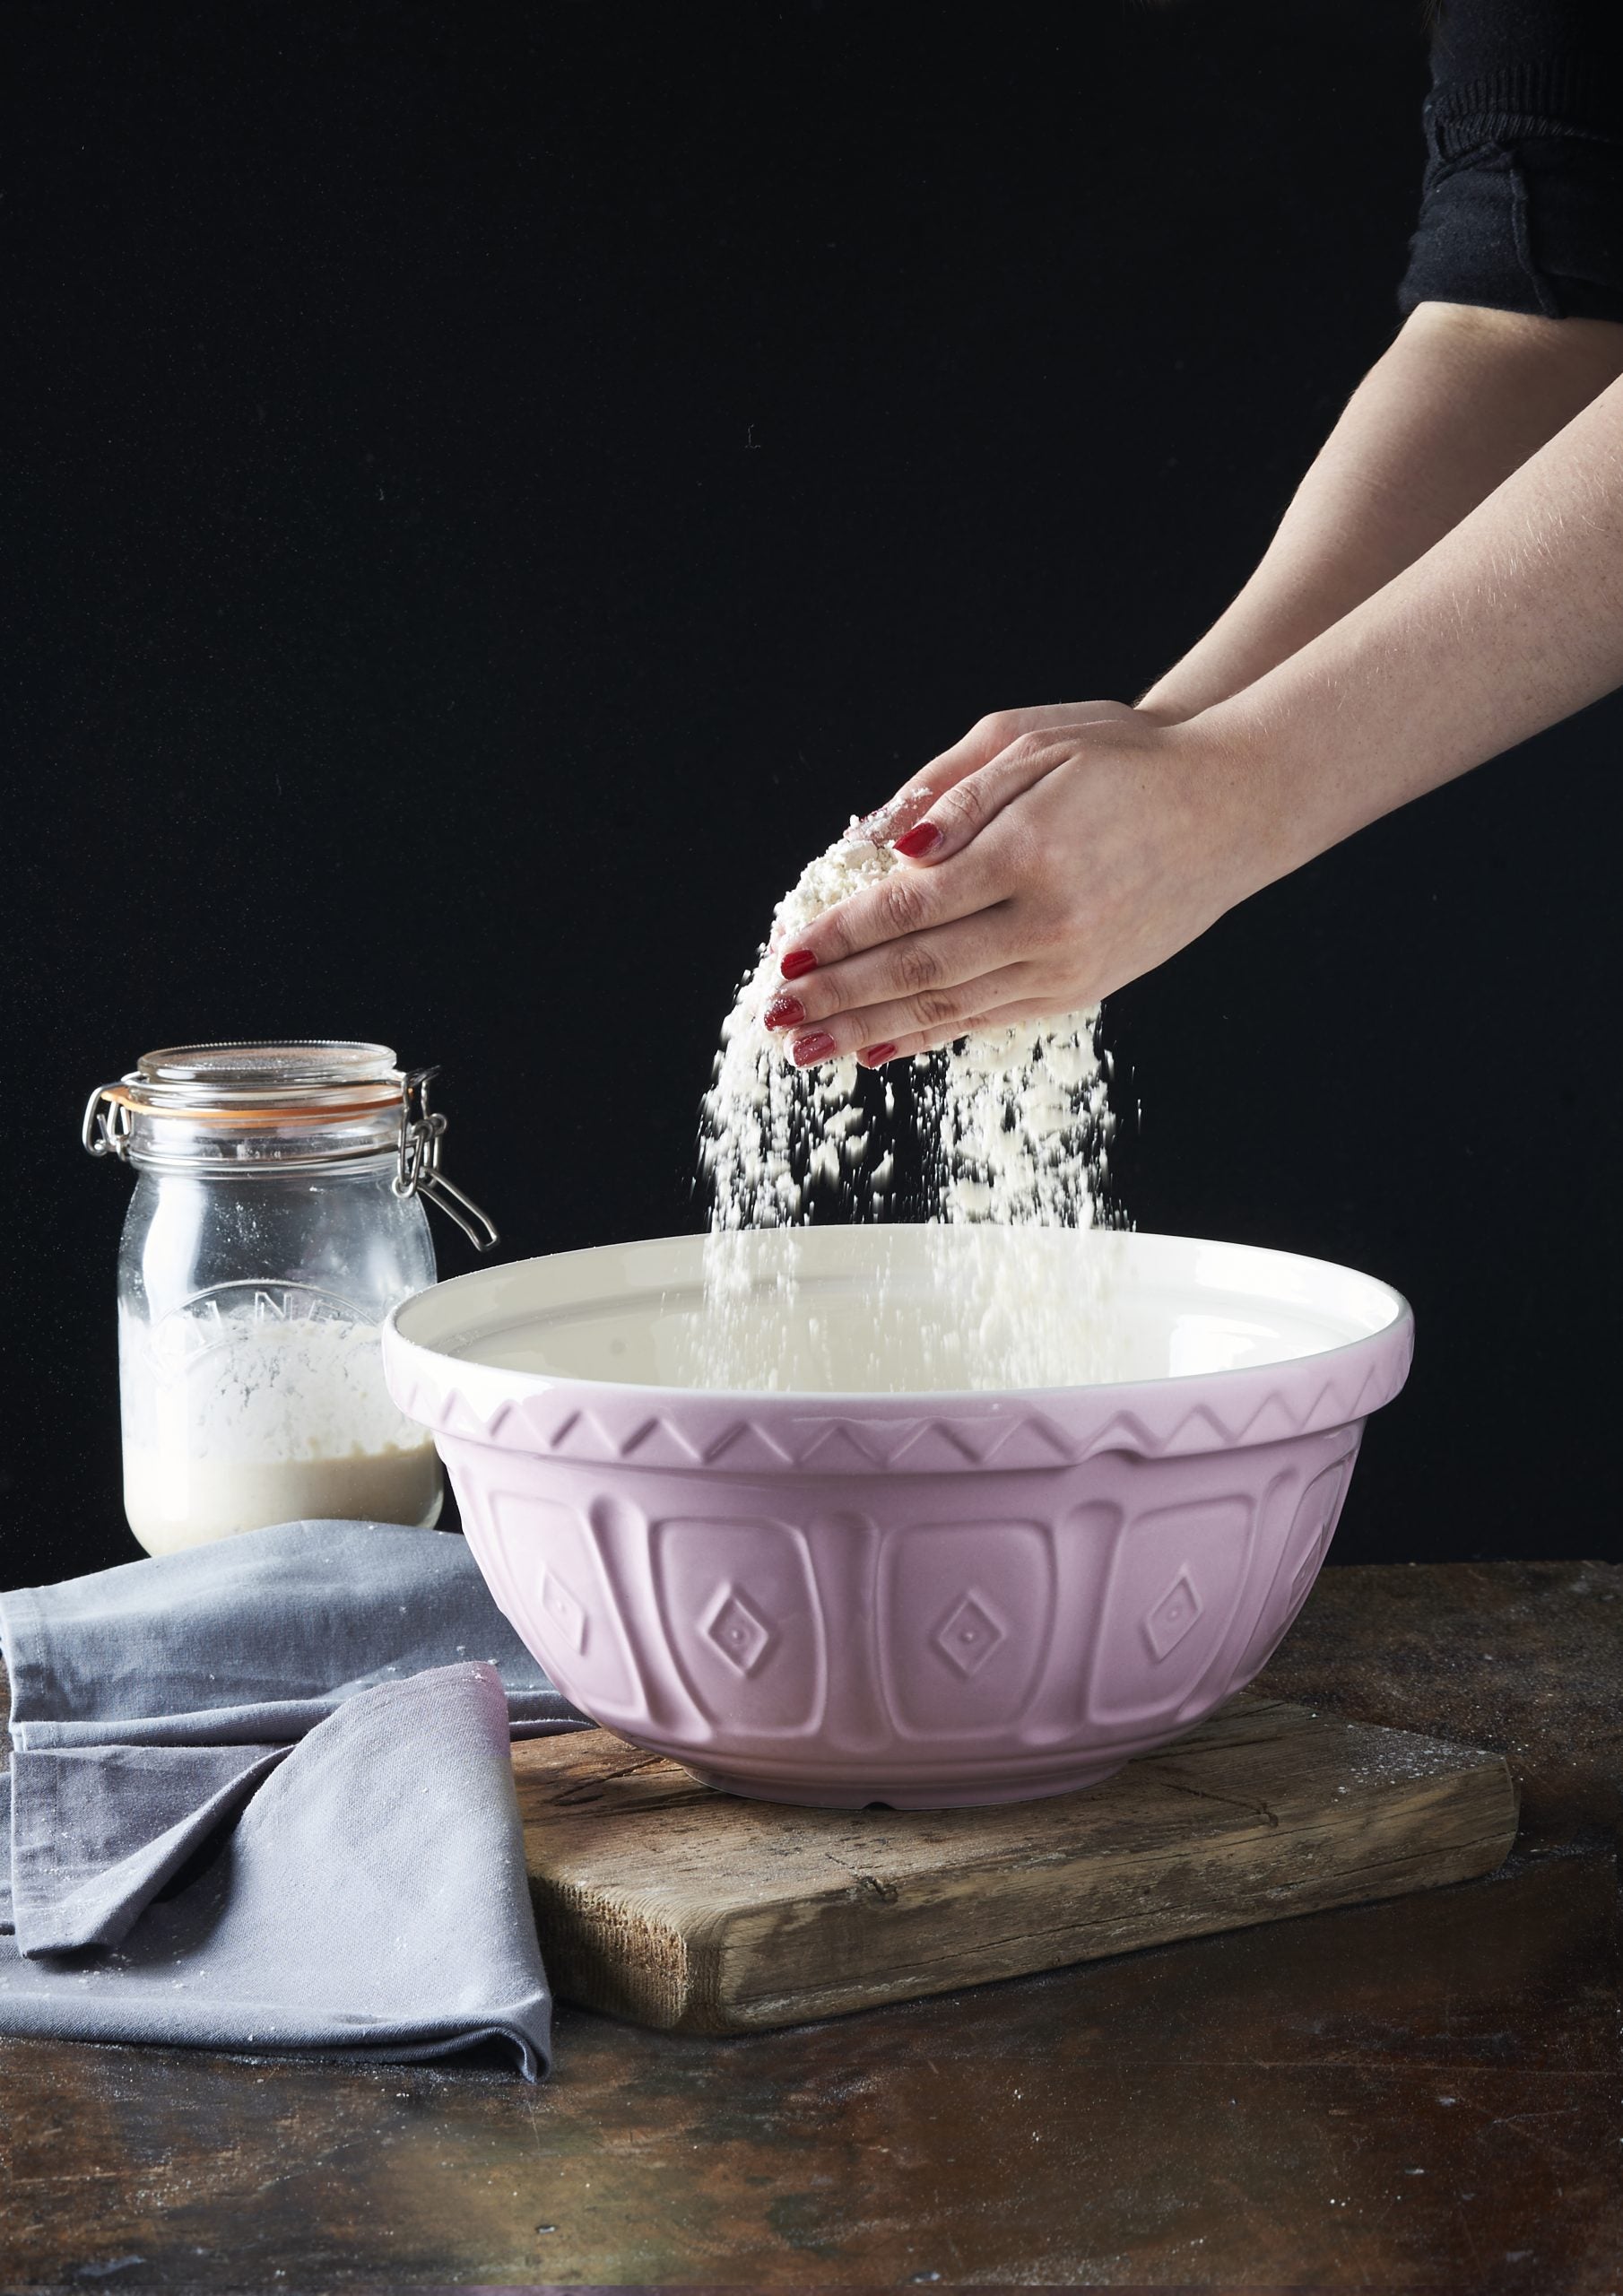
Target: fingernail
918,841
795,961
874,1055
806,1051
783,1013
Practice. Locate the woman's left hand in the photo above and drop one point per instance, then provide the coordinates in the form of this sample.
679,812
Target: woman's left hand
1060,854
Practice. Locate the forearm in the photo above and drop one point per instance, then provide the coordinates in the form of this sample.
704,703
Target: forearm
1460,401
1513,620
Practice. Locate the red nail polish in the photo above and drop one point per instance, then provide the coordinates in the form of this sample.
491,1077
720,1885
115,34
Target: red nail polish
796,961
874,1055
918,841
783,1013
807,1051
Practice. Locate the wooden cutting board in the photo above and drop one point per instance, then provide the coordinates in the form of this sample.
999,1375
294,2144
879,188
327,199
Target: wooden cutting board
661,1901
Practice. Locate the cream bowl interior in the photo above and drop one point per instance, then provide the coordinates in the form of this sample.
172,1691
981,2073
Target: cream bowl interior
900,1310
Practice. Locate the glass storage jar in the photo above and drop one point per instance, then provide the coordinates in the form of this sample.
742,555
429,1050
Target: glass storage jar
277,1217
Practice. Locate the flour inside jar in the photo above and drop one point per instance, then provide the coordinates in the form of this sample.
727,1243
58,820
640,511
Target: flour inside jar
1008,1129
239,1416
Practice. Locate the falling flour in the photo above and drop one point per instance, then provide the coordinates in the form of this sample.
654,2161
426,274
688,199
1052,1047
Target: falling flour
1008,1130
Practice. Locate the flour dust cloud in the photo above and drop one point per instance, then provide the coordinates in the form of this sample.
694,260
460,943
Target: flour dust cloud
1007,1132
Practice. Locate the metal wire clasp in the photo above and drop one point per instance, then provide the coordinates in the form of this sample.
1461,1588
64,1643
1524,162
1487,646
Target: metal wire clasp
422,1130
106,1131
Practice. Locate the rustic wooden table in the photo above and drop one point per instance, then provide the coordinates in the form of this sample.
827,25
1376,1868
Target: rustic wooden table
1422,2094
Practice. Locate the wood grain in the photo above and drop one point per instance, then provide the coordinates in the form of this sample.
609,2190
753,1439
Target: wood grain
666,1903
1421,2094
1526,1658
1417,2096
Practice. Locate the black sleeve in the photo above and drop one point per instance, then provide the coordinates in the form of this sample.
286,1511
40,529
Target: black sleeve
1523,208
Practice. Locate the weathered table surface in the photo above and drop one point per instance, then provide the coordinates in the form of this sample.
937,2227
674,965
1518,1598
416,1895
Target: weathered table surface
1423,2095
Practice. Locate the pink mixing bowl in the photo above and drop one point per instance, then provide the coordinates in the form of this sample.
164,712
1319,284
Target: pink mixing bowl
922,1598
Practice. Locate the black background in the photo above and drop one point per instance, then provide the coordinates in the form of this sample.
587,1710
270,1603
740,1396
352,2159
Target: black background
490,490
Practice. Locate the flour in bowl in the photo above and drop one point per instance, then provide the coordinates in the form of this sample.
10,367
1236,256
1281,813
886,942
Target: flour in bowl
1008,1129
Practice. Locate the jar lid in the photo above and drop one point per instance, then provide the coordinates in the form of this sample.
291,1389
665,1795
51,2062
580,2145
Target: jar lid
251,1082
317,1102
315,1060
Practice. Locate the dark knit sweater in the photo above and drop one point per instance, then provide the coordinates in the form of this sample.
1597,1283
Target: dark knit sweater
1523,207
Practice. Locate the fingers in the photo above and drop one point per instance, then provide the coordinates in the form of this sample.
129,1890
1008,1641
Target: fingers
907,901
893,971
977,747
948,823
962,876
888,1022
1002,1016
987,738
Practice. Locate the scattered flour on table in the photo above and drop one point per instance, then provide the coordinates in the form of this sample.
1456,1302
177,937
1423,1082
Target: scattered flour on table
1008,1131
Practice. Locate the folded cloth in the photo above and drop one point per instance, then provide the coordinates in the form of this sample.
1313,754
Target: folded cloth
253,1640
260,1797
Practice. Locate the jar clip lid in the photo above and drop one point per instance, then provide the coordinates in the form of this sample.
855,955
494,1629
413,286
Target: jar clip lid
422,1130
244,1091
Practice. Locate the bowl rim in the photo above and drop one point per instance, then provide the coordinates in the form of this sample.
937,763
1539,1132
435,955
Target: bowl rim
889,1400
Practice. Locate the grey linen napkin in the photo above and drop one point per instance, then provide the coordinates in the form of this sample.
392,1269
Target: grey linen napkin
260,1797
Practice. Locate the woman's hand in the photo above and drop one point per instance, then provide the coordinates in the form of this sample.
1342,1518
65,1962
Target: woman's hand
1057,854
1394,638
985,740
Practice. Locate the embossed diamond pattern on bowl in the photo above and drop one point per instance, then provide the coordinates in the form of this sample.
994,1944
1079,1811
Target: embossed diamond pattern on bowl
924,1600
